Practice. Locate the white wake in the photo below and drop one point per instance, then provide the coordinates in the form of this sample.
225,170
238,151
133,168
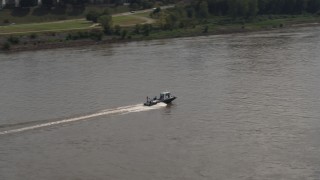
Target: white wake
119,110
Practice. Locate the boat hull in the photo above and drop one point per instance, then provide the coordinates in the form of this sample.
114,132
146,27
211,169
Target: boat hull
169,100
150,103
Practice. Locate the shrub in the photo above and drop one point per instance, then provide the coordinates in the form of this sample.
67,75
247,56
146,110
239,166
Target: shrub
106,23
96,35
205,29
137,29
33,36
146,29
6,46
82,35
117,30
124,33
6,21
93,16
13,40
71,37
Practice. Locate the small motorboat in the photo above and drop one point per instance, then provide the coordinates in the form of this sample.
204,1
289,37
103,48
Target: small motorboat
165,97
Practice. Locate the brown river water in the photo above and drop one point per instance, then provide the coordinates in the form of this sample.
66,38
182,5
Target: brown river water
248,108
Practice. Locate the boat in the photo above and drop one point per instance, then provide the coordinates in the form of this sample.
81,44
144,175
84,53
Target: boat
165,97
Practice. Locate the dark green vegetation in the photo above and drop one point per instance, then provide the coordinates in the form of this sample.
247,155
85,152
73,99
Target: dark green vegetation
201,17
197,17
247,8
234,11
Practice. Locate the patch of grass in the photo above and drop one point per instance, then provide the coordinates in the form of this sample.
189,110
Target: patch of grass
50,26
144,14
127,20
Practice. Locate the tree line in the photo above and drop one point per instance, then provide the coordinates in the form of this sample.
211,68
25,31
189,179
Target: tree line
247,8
199,11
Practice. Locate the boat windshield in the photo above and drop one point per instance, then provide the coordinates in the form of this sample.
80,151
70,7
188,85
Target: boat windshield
165,95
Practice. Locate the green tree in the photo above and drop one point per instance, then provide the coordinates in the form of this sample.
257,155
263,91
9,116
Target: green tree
243,7
93,16
313,6
117,30
205,29
137,29
106,23
146,29
96,35
262,6
107,11
28,3
171,21
6,46
203,9
47,3
13,40
253,8
232,8
301,6
218,7
124,33
190,12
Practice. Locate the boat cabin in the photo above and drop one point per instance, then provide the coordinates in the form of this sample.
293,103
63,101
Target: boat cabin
165,95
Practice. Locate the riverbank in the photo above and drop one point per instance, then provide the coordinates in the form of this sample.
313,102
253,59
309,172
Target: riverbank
208,27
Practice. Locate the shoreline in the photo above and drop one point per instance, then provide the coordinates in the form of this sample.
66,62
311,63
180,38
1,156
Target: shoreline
89,42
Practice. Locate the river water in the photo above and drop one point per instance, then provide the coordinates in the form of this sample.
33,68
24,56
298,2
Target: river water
247,108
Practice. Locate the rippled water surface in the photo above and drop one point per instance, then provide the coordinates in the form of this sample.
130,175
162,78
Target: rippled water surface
248,107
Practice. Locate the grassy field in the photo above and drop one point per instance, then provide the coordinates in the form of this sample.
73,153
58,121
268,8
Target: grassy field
144,14
50,26
128,20
66,25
